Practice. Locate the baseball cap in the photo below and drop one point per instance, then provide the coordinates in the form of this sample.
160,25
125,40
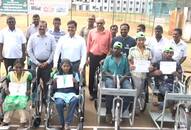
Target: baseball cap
140,35
168,49
118,45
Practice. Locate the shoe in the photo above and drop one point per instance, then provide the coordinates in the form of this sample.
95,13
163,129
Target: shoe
67,127
108,118
4,124
23,125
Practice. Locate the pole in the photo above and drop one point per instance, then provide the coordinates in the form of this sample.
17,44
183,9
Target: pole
113,18
71,10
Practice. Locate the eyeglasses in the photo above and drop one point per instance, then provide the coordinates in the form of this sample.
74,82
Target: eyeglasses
11,22
99,23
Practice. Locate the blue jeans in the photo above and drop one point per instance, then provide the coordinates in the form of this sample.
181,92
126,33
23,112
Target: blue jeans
60,104
109,83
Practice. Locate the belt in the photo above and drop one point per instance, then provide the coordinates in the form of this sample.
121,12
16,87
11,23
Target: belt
41,61
75,62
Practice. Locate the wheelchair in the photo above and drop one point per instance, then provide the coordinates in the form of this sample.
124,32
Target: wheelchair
4,87
117,109
182,100
51,107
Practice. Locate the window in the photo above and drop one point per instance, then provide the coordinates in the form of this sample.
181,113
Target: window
87,7
92,0
130,9
80,7
124,9
111,1
118,8
136,9
143,3
143,10
137,2
188,19
131,2
99,1
111,8
118,2
105,1
125,2
94,7
105,8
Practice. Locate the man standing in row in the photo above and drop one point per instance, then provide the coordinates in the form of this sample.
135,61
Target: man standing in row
98,46
40,48
125,39
12,43
72,47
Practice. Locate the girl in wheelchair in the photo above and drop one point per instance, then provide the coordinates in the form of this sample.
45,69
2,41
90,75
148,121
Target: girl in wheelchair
65,92
18,91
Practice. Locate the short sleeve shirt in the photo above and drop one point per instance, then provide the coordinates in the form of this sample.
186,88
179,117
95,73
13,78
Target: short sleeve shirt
111,66
180,50
12,43
136,54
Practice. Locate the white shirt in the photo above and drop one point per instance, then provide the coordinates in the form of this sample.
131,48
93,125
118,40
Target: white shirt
31,30
41,47
12,43
180,50
72,48
157,48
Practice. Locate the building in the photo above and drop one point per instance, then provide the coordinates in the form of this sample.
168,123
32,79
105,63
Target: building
124,6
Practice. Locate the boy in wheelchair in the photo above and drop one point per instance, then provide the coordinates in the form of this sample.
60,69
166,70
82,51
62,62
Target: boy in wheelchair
165,82
116,64
18,92
65,92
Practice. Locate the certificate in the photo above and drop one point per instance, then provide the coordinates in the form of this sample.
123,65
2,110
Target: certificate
64,81
167,67
17,89
142,65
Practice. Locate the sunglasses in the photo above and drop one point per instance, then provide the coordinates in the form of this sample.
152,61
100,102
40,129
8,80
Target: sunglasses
99,23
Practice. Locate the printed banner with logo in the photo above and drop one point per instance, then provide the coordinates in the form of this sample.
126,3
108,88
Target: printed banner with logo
13,6
49,7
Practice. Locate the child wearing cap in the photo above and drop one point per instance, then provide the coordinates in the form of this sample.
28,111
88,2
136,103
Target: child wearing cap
115,64
165,81
139,52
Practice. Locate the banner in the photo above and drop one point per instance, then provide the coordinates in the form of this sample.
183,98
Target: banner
13,6
49,7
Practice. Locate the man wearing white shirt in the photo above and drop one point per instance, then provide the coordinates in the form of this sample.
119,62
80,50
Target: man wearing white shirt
157,43
12,43
72,47
179,46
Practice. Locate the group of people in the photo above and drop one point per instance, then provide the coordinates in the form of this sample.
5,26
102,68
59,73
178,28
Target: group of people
68,52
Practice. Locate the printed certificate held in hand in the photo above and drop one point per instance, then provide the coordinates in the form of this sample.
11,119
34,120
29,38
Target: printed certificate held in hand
142,65
64,81
167,67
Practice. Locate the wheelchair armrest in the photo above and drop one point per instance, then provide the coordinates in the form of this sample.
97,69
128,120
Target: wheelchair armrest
50,82
3,79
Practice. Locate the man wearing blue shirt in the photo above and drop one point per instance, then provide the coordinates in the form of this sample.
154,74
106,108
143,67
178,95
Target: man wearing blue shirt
115,64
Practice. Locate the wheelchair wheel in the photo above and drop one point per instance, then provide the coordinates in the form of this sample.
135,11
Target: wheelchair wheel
142,101
38,108
184,119
188,83
117,116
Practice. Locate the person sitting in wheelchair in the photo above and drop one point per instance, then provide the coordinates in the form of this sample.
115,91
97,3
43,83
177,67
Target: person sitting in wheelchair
166,81
18,93
115,64
65,92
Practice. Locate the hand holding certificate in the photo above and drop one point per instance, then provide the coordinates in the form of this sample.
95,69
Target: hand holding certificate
65,81
142,65
168,67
